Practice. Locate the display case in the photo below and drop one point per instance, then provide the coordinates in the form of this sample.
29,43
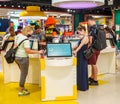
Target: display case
65,23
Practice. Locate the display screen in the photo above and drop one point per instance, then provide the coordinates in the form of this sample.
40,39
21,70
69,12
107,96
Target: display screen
59,50
74,43
3,24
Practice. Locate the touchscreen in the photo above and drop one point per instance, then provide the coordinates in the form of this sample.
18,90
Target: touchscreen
59,50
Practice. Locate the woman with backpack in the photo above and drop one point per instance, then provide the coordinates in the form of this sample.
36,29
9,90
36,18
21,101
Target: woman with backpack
22,59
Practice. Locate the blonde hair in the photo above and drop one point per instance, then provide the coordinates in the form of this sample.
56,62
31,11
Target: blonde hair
26,30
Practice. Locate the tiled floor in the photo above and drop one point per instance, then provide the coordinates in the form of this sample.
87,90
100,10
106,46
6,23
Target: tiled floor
108,93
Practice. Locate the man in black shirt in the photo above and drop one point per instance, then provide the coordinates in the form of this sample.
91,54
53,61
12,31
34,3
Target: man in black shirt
93,59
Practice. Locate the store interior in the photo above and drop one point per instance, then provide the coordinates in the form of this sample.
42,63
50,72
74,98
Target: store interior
52,76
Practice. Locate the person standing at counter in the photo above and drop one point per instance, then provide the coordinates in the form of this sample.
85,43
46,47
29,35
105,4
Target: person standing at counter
82,65
93,59
22,59
110,35
40,33
8,38
11,24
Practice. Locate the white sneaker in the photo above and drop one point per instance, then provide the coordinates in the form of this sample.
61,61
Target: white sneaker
23,93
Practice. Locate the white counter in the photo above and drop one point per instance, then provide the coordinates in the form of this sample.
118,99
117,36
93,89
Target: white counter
106,64
58,79
107,61
12,72
57,75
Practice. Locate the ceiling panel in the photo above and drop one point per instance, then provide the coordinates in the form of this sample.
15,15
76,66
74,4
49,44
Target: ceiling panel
46,6
47,2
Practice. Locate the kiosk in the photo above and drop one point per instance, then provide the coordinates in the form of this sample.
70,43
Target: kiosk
58,75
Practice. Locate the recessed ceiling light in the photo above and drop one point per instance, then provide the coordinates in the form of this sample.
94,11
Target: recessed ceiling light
68,10
74,11
18,6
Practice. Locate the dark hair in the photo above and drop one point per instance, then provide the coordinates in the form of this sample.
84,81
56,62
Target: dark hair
89,18
109,30
10,22
80,28
37,27
20,27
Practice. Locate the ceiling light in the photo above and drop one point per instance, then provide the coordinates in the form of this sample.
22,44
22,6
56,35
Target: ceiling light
72,4
32,12
12,5
18,6
68,10
74,11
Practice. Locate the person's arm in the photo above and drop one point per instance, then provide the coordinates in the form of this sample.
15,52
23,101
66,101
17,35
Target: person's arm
107,35
42,43
90,41
74,47
83,42
29,51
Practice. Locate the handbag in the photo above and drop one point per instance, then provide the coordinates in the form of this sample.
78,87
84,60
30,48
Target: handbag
88,52
10,54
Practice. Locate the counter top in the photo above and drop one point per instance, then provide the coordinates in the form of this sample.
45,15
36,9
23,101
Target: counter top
108,49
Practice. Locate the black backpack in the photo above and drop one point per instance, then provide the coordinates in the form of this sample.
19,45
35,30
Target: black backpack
99,41
10,54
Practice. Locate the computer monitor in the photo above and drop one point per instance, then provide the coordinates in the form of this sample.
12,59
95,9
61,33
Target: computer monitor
74,43
59,50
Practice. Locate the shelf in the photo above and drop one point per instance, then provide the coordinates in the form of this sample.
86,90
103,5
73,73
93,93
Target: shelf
63,24
48,35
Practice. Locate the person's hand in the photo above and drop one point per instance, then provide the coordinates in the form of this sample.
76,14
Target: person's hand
74,53
42,43
41,51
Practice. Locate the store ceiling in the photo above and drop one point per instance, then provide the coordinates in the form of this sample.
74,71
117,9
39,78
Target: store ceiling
46,6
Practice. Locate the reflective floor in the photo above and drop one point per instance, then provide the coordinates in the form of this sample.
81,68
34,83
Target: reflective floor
108,92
